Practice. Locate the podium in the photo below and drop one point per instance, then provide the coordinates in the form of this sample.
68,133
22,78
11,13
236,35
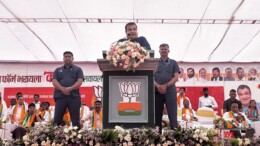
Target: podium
128,96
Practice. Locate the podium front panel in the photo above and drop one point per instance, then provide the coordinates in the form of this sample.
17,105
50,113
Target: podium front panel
128,99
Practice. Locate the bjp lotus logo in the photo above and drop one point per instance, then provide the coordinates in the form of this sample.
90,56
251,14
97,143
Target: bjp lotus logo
98,92
129,92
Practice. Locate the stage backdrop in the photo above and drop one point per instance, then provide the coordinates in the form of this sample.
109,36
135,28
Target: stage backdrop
35,78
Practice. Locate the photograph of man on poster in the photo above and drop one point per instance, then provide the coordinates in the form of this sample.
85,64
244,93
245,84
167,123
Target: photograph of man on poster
245,95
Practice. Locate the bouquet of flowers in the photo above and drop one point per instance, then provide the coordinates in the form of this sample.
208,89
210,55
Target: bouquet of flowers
219,123
127,54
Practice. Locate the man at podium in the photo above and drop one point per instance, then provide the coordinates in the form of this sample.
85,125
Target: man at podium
132,35
165,77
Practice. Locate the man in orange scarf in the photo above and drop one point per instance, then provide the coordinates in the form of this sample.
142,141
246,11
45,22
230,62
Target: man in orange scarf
19,111
188,113
28,121
45,115
181,97
95,116
236,119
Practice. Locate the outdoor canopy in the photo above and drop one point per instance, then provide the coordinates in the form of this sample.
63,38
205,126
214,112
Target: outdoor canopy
196,30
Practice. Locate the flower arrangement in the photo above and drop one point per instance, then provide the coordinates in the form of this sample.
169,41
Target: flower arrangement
219,123
238,142
198,137
50,135
127,54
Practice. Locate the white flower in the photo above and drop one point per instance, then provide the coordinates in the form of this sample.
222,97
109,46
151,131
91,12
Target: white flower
79,136
74,133
43,143
80,131
128,48
67,137
134,54
240,141
117,57
70,128
119,129
201,140
120,136
66,130
121,43
25,138
195,135
247,141
127,137
197,131
75,127
163,139
169,142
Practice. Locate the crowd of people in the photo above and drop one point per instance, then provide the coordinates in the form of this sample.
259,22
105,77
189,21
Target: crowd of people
24,115
242,111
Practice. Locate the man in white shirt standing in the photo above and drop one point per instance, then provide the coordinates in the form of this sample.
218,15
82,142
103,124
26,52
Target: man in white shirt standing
206,100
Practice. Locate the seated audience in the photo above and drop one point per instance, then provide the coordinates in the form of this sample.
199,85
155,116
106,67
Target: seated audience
236,119
206,100
66,118
188,113
84,111
165,118
228,102
95,116
28,121
48,109
19,111
43,113
252,112
181,97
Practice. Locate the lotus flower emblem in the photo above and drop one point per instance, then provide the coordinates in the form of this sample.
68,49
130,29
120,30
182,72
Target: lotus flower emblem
129,91
98,90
